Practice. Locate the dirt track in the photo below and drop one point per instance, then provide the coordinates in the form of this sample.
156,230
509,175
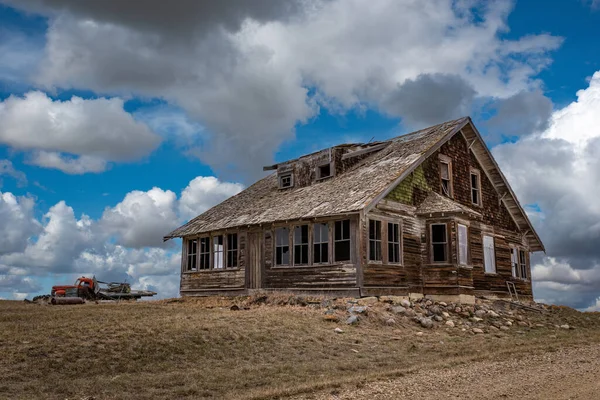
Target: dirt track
572,373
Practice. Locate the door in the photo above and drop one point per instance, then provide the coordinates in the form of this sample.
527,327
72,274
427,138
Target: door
254,265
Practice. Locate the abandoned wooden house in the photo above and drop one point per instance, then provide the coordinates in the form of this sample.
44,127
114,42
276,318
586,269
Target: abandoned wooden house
424,214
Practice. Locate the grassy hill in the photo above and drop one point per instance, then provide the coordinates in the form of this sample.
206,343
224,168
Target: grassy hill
262,347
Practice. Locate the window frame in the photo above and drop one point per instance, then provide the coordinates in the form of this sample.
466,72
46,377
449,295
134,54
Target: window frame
349,240
203,253
477,173
523,264
277,245
284,175
318,175
466,245
376,240
320,243
189,268
398,243
514,261
302,244
432,243
443,159
216,252
229,250
495,269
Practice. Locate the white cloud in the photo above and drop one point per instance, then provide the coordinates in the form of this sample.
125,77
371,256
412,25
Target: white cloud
17,222
97,130
204,192
558,171
137,220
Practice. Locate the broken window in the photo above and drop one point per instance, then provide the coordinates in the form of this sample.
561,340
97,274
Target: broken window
439,243
205,253
232,250
374,240
393,234
489,255
192,254
320,243
286,181
341,240
523,264
446,176
324,171
475,188
218,252
463,245
301,245
514,262
282,246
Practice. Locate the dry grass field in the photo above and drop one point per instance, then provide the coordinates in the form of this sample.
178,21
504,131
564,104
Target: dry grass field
203,349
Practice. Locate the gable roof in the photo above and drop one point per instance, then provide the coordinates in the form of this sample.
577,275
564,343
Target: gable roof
358,189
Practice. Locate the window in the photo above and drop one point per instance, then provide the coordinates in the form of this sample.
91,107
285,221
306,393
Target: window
192,254
514,262
446,176
439,243
489,255
324,171
475,188
218,252
286,180
463,245
341,240
282,246
320,243
374,240
301,245
523,263
205,253
393,234
232,250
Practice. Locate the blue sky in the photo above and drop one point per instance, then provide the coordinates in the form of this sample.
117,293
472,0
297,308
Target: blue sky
117,124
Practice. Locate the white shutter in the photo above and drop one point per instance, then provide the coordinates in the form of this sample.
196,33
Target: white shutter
462,244
489,255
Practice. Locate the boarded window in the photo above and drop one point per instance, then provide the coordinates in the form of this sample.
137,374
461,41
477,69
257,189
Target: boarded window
463,245
439,243
489,255
514,262
393,235
301,245
321,243
324,171
205,253
523,264
341,240
374,240
446,177
286,181
475,188
192,254
218,252
282,246
232,250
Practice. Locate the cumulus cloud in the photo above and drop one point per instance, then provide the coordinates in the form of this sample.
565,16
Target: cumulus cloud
558,171
96,130
137,220
125,243
249,72
17,222
204,192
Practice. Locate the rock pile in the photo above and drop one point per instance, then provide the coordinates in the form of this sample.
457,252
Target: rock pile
483,317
